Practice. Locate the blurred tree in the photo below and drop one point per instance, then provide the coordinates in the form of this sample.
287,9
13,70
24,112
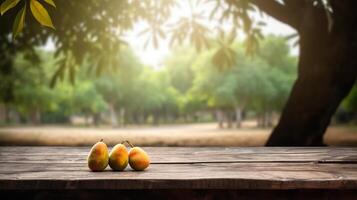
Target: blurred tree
181,76
32,96
275,50
133,93
280,73
178,65
250,83
190,105
229,89
88,101
160,97
118,86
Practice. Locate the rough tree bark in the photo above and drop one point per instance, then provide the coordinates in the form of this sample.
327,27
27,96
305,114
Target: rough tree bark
326,73
327,68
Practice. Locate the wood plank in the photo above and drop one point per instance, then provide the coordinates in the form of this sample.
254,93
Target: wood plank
180,194
183,176
188,155
184,168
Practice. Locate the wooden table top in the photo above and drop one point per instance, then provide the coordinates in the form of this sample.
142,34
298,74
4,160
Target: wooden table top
184,168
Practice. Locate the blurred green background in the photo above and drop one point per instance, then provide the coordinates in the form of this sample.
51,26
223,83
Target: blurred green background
223,80
244,100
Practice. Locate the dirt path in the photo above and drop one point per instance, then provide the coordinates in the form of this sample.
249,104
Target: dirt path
170,135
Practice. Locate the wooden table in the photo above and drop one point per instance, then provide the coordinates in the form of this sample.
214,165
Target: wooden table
183,173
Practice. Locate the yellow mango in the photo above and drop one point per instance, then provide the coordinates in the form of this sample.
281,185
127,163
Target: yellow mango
118,157
98,157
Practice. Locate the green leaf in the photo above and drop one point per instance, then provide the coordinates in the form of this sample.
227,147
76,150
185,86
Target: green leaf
58,75
19,22
40,14
51,2
7,5
291,36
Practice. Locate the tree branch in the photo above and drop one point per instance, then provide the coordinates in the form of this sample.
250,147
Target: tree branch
287,13
294,4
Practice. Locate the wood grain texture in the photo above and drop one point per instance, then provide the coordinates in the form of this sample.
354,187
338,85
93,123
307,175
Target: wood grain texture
65,168
180,194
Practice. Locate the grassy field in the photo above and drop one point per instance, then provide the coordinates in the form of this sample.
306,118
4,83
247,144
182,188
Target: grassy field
166,135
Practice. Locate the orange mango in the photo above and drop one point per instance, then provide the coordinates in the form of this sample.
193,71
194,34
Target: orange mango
138,159
118,157
98,157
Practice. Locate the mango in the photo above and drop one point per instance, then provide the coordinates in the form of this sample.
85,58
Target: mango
98,157
138,159
118,157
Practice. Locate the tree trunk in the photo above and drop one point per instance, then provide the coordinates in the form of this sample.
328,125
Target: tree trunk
86,119
156,118
96,119
7,113
326,72
2,113
238,112
122,117
229,119
220,118
269,119
260,120
113,115
34,116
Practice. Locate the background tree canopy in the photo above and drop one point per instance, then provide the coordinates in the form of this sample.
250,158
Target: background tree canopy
190,88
